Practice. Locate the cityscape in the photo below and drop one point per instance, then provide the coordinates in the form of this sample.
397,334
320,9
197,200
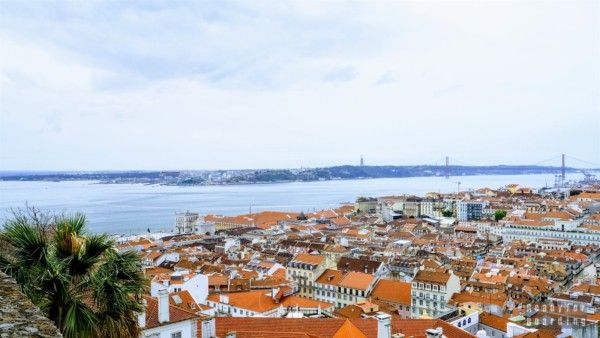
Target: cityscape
299,169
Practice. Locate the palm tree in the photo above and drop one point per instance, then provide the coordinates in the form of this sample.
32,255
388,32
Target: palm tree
78,280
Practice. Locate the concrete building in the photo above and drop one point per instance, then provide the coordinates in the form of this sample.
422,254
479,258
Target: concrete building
580,236
433,208
303,270
191,222
431,291
159,319
469,210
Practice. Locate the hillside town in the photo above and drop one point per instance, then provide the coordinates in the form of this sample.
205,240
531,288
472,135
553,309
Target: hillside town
506,262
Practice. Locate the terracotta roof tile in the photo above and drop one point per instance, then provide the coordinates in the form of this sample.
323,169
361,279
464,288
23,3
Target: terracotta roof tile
357,280
392,291
176,314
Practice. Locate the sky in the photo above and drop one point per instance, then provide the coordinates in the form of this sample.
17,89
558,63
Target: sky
119,85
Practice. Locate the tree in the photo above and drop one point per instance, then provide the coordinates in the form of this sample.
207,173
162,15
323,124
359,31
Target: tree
499,214
77,279
447,213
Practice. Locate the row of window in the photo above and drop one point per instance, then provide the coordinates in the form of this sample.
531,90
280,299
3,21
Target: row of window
427,304
428,296
428,286
300,273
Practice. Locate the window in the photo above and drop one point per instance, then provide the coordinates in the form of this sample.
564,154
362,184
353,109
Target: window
176,334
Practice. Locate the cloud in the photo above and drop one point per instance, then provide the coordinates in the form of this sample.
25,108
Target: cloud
386,78
341,74
170,85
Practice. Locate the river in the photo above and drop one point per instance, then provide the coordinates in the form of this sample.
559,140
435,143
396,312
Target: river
133,208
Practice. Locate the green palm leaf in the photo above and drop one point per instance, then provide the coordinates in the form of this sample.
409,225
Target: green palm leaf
78,280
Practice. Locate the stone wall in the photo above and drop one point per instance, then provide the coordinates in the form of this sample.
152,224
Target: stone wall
18,316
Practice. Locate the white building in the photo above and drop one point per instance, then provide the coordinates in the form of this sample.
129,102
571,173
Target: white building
161,320
431,291
191,222
195,284
469,210
581,236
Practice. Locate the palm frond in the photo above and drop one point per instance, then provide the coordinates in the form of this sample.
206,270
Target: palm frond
78,280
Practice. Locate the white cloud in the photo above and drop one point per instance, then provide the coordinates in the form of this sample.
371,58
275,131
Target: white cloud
262,85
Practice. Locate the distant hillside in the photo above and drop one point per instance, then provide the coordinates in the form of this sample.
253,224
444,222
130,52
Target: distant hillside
249,176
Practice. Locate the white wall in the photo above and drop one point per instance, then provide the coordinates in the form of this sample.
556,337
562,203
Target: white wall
187,328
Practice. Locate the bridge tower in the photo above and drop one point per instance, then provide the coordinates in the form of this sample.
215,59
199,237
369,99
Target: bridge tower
562,172
447,167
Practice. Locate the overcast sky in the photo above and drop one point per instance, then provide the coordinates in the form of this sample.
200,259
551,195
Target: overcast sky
175,85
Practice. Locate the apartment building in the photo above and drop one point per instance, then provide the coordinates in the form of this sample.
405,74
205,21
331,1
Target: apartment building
159,319
469,210
326,286
343,287
581,236
432,208
431,291
354,287
195,284
303,270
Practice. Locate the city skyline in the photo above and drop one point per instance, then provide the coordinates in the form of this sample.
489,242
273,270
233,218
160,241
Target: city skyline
151,86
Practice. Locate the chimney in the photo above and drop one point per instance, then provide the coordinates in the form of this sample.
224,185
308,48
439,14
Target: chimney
434,333
209,329
142,315
163,306
274,292
384,325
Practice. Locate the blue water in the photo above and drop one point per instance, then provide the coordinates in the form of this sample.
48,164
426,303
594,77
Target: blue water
132,208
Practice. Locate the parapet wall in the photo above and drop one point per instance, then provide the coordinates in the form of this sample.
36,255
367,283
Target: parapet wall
18,316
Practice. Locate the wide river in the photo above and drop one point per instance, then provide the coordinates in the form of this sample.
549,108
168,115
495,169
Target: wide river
133,208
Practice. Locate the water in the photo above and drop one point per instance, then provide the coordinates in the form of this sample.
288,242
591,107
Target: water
132,208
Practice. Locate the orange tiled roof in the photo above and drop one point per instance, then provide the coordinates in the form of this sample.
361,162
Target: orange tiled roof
261,301
493,321
356,280
309,259
184,300
291,327
392,291
416,328
437,277
590,195
176,314
349,330
328,327
330,277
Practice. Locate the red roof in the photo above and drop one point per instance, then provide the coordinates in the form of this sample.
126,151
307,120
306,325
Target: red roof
328,327
417,327
175,314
